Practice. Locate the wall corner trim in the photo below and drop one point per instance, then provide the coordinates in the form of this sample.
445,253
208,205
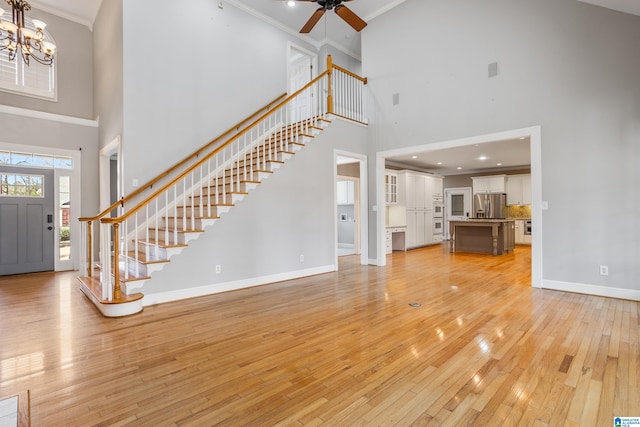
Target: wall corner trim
35,114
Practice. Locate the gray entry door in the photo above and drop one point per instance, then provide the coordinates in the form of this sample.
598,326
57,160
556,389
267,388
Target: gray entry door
26,220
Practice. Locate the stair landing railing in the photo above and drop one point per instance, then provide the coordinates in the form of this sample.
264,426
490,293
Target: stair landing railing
171,213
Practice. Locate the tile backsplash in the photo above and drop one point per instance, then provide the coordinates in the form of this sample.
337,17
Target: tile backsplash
520,212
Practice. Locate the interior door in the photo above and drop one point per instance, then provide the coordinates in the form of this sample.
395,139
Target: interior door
26,220
300,73
457,207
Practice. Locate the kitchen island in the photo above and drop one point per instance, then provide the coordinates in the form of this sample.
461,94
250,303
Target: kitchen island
484,236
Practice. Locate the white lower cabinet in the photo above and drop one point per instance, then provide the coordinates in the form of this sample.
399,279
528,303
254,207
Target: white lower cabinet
419,228
521,238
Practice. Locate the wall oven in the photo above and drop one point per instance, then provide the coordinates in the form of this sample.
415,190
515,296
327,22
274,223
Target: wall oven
438,226
438,207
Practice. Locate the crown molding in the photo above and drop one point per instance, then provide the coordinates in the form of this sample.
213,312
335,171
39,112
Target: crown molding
62,14
384,9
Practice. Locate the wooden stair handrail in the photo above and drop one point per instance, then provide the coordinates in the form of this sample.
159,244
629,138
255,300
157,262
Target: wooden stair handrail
349,73
266,111
143,203
167,172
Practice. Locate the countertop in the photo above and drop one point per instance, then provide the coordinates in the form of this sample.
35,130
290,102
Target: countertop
486,220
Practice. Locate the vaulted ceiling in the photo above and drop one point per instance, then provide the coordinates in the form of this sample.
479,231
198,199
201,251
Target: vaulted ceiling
331,29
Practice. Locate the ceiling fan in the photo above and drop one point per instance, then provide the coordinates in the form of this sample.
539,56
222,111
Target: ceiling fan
341,10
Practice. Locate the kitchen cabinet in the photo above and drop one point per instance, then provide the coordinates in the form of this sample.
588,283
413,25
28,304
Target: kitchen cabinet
395,239
419,228
520,237
391,188
417,191
346,193
489,184
437,186
519,189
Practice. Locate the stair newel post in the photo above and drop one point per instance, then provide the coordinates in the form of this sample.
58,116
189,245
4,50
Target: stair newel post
329,88
89,248
117,292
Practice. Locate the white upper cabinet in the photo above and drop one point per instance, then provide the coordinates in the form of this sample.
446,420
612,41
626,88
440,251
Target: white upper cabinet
416,191
437,186
390,188
519,190
489,184
346,192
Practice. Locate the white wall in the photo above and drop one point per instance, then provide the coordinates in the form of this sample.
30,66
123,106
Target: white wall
220,66
291,213
59,127
570,67
107,89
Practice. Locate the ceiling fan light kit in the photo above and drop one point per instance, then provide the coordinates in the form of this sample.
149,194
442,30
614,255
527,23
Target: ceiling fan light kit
15,36
341,10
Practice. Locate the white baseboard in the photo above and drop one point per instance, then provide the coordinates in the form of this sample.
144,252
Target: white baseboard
580,288
162,297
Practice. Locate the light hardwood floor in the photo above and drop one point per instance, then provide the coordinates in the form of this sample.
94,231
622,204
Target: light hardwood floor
340,349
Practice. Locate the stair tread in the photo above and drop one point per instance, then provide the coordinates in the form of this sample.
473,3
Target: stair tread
171,230
93,285
162,244
195,217
142,258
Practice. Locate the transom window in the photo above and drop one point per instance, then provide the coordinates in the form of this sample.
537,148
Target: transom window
35,160
34,79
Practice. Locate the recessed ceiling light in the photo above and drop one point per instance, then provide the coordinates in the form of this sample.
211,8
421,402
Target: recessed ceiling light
498,164
459,167
483,157
522,137
414,157
439,163
291,3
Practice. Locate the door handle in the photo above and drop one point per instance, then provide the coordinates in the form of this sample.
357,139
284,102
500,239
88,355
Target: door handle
49,228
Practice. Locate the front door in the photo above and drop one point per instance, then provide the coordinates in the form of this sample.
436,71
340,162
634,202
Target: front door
457,206
26,220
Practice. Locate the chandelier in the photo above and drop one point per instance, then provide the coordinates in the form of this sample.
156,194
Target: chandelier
15,36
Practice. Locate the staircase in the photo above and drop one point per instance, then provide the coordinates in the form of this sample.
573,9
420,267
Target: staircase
153,228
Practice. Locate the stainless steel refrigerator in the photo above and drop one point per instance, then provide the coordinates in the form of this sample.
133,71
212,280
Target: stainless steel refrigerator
490,205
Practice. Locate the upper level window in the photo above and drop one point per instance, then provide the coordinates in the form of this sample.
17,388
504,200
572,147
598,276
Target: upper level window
34,79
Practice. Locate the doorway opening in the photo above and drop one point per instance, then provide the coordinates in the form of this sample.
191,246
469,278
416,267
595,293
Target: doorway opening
111,184
351,223
532,133
457,207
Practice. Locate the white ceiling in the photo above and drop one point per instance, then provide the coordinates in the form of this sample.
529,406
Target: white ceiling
333,30
495,156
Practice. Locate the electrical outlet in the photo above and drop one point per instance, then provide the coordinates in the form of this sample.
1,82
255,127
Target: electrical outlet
301,258
218,269
604,270
134,182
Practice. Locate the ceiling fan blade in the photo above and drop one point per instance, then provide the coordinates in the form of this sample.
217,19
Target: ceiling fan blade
312,21
350,17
